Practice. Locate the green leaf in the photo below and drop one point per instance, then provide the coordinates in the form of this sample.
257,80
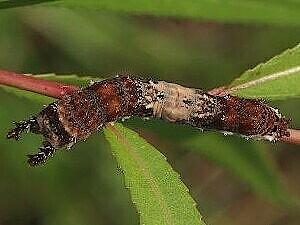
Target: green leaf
233,11
67,79
18,3
278,78
157,191
245,159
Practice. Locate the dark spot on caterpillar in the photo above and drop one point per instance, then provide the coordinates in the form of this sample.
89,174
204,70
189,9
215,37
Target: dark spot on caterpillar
75,117
188,102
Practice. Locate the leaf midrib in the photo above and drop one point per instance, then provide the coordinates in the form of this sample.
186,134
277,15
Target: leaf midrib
147,174
266,78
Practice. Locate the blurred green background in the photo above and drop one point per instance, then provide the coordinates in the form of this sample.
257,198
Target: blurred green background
233,180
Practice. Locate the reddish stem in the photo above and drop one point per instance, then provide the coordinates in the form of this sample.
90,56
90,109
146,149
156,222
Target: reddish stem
30,83
58,90
219,91
294,137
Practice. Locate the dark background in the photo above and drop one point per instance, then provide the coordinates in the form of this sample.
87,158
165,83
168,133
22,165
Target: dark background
84,186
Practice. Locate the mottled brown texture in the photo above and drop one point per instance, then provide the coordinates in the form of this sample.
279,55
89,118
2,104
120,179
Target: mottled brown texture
76,116
79,114
249,117
88,110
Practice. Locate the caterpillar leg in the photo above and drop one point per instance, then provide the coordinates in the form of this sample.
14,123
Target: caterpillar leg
46,152
24,125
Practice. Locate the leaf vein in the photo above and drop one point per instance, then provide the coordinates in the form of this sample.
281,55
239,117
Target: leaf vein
269,77
152,183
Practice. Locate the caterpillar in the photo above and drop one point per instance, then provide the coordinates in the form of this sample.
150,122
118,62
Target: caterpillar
76,116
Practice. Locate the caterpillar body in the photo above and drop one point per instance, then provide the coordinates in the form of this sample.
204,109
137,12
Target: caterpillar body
75,117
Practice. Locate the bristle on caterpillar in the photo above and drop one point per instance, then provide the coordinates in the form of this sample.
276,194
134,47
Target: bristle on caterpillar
75,117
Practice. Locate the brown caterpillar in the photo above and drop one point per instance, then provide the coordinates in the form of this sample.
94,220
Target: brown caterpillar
75,117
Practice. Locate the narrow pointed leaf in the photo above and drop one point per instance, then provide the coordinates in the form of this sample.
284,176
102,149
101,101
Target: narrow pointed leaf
156,189
278,78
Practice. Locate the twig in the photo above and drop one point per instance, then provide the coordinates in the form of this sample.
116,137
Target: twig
58,90
30,83
219,91
294,137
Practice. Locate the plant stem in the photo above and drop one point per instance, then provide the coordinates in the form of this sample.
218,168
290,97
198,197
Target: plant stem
58,90
294,137
30,83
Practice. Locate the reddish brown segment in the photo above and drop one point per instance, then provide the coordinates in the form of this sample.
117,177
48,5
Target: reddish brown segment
79,115
249,117
84,112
